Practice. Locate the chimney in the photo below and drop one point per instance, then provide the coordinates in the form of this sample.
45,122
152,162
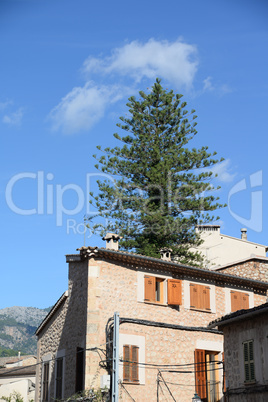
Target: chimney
244,235
112,241
166,254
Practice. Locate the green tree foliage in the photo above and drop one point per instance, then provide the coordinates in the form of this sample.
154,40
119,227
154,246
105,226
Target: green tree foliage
13,397
162,189
8,352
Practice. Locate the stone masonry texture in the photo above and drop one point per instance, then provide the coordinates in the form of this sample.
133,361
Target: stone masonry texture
97,289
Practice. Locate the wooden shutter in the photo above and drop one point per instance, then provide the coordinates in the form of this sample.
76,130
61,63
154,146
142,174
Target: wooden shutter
174,292
200,373
239,301
149,288
249,361
235,301
244,300
131,363
199,296
126,364
135,364
205,297
194,296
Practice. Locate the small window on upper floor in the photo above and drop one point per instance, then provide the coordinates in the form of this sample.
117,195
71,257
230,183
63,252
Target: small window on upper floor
239,301
199,297
155,290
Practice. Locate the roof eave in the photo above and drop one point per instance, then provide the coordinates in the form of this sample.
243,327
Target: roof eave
177,267
52,312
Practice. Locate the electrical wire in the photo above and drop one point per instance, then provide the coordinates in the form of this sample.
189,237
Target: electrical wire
126,391
157,366
18,368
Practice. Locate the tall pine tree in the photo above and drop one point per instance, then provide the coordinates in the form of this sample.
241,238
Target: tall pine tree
162,189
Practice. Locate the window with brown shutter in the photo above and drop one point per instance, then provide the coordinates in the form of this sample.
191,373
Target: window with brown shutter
131,363
239,301
153,289
174,292
135,361
205,300
126,363
244,300
207,380
193,296
149,288
199,297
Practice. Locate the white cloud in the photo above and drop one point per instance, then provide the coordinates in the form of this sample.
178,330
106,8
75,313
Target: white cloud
4,105
222,170
220,90
208,86
13,119
173,61
82,107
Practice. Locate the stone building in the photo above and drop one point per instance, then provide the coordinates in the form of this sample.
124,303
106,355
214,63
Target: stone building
165,347
246,354
255,267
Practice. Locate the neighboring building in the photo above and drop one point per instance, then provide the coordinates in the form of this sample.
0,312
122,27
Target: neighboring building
18,374
164,345
254,267
246,354
219,249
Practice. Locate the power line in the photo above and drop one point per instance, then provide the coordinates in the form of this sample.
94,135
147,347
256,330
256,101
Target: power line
157,366
18,368
126,391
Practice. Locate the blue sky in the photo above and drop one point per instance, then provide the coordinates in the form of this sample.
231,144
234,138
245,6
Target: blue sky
67,69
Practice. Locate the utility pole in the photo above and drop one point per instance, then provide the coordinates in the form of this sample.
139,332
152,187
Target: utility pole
115,377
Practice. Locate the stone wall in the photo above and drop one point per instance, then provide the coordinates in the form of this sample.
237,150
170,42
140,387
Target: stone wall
254,269
66,330
255,329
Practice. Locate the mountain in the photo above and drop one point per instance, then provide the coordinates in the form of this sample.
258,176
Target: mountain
17,328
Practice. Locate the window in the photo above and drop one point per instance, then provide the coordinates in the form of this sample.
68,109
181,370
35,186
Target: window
199,297
207,383
239,301
126,372
59,378
45,382
156,288
249,361
130,363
